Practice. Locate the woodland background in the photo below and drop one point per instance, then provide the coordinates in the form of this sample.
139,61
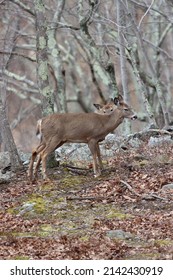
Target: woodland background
65,55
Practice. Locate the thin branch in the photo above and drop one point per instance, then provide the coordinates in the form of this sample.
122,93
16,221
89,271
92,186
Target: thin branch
25,96
143,196
145,13
129,188
18,54
63,25
18,77
85,198
153,9
23,6
158,48
22,115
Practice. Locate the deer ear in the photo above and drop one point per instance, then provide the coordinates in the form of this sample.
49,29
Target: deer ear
98,106
116,100
120,98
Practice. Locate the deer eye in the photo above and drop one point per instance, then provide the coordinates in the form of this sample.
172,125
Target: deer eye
126,109
111,109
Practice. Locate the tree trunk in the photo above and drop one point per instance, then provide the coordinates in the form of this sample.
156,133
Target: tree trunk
154,80
7,138
56,60
100,59
121,20
42,66
42,59
6,134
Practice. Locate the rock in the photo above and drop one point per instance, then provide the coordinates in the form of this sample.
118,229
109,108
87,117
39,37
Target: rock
120,234
4,160
75,151
27,207
5,168
25,157
5,178
135,143
156,141
168,187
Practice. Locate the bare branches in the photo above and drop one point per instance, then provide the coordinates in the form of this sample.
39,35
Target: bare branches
142,18
23,7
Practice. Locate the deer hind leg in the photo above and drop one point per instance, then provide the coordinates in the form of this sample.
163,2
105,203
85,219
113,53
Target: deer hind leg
40,148
30,169
37,166
92,144
33,157
50,147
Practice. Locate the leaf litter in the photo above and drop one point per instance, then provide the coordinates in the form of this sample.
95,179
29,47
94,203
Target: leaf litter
78,217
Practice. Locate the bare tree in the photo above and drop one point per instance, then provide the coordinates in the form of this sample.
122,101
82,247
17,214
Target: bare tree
5,131
121,21
81,53
42,58
100,63
56,59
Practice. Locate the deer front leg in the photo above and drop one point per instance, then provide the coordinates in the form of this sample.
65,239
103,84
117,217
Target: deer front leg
37,166
99,157
92,144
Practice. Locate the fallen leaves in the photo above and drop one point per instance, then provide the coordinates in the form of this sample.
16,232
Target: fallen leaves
129,197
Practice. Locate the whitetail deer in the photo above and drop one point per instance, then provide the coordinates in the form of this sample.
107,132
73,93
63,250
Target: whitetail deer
105,109
89,128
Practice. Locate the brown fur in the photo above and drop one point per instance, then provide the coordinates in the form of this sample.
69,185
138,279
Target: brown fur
89,128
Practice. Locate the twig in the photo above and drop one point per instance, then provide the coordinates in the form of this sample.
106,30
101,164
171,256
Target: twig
129,188
145,196
153,196
85,198
75,167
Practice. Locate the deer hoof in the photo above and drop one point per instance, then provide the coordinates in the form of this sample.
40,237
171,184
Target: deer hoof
97,175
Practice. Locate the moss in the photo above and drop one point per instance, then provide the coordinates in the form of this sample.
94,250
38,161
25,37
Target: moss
39,204
143,256
103,75
21,258
45,230
42,42
47,187
71,181
13,210
24,234
51,42
55,53
164,242
42,71
143,162
84,238
116,214
39,6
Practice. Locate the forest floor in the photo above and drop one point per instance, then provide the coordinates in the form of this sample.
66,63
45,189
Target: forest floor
126,213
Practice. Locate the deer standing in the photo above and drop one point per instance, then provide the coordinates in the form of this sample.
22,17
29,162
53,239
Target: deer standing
89,128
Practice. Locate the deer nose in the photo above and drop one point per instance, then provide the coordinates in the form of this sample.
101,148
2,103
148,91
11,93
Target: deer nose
134,117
